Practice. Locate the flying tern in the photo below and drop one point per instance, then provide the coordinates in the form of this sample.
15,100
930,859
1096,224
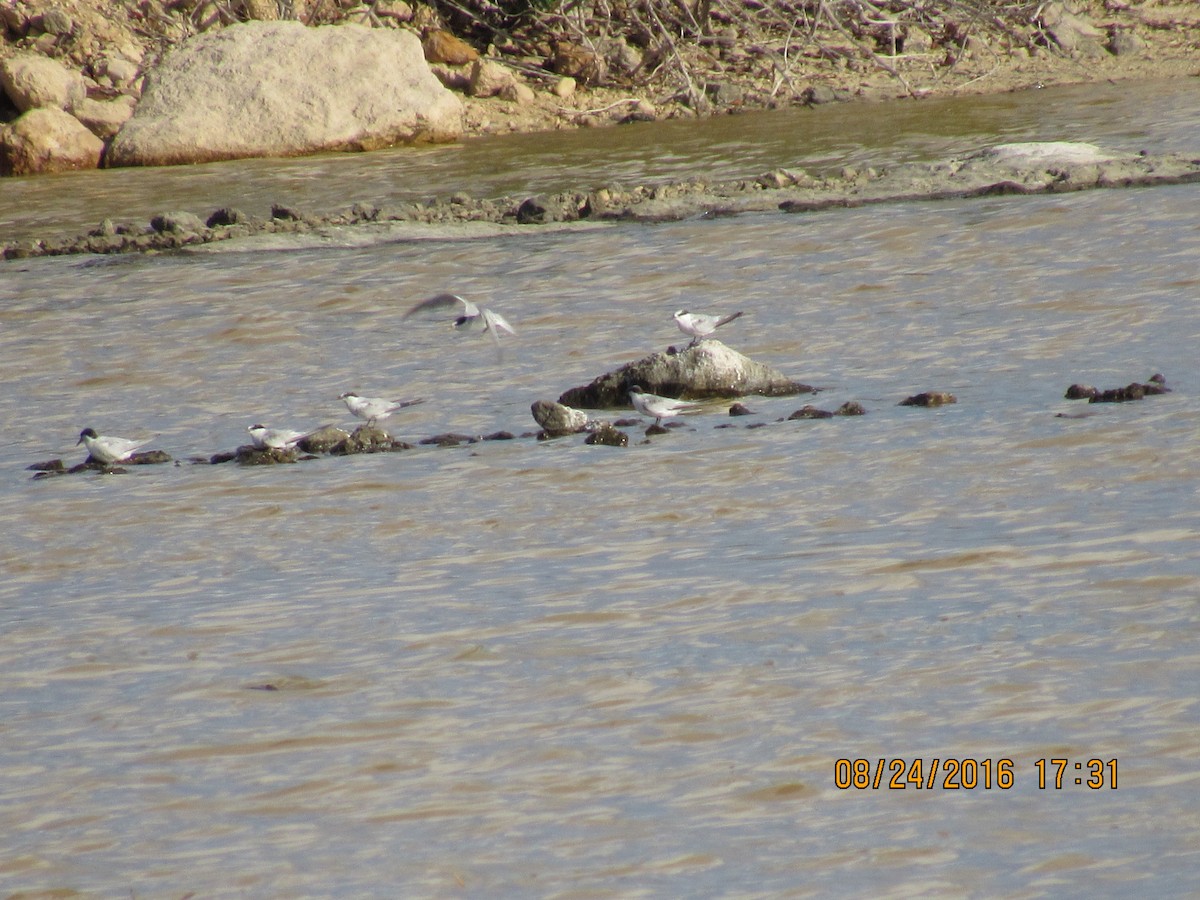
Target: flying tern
108,450
701,325
470,314
374,408
654,405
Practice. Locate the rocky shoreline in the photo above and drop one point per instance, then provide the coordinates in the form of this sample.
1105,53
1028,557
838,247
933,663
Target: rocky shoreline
85,83
1033,168
82,85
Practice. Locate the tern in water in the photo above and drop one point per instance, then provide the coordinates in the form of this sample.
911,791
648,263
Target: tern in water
108,450
470,314
654,405
265,438
373,408
701,325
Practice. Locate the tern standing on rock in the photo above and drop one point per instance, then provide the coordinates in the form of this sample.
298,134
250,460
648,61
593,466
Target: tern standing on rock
374,408
654,405
701,325
108,450
265,438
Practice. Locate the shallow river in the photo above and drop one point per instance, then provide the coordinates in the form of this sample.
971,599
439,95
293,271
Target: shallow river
516,668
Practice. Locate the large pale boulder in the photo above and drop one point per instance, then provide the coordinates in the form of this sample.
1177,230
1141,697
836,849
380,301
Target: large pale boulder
281,89
42,141
34,82
707,371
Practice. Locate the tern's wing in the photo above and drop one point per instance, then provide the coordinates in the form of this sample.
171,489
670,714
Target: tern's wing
441,301
400,404
495,323
295,437
725,320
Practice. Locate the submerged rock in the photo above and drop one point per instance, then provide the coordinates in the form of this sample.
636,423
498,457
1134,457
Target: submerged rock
450,439
52,467
1156,384
849,408
929,398
607,436
811,412
364,439
324,439
148,458
709,370
1080,391
249,455
660,429
141,458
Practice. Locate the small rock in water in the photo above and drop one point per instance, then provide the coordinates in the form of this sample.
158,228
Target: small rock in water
1081,392
739,409
1156,384
249,455
1133,391
449,439
324,440
177,223
811,412
929,398
531,212
367,439
226,216
50,465
608,436
849,408
148,458
286,213
558,419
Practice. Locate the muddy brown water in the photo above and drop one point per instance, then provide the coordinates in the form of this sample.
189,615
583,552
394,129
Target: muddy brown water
519,668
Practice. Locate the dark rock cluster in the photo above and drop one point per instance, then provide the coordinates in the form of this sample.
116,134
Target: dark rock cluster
1156,384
